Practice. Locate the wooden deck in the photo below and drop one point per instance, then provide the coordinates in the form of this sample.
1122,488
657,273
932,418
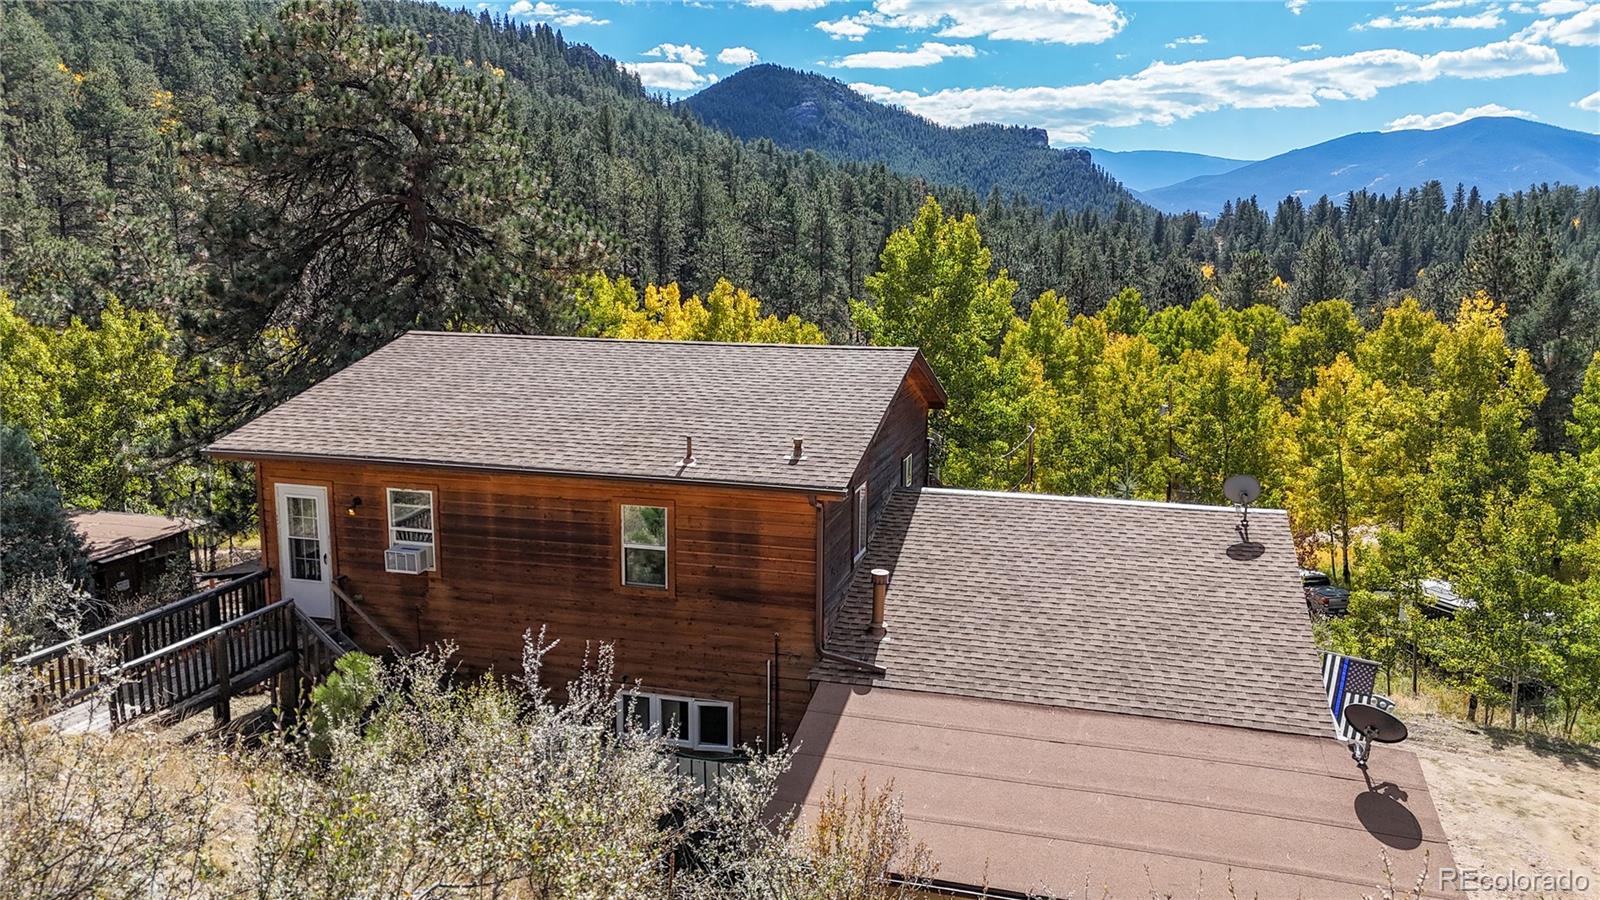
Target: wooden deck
201,652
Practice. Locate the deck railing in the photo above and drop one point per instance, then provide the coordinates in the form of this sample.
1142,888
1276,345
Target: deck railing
72,669
708,769
207,668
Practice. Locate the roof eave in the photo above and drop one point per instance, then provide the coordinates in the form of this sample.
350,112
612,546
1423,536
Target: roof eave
246,455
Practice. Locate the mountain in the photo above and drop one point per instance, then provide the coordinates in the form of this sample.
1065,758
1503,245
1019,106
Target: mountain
1494,154
1141,170
804,111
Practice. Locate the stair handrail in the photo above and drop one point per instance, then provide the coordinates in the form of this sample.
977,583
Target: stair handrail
382,632
202,636
316,631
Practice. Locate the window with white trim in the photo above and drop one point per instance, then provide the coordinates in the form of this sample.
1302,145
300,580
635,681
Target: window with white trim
644,546
411,519
908,470
860,500
687,722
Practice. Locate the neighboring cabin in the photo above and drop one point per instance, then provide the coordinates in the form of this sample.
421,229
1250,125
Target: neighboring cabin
129,553
549,482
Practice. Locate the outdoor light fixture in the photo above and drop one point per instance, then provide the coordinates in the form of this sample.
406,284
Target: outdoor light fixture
355,504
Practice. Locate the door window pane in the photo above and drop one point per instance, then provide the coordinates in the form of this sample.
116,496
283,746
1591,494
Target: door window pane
305,559
302,517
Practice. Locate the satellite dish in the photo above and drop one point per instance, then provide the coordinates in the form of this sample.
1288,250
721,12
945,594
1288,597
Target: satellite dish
1374,724
1243,490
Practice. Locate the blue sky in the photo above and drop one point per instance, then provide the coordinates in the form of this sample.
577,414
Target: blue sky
1246,80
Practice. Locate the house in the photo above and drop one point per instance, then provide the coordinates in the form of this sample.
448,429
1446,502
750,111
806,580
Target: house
130,552
1091,697
1066,691
702,506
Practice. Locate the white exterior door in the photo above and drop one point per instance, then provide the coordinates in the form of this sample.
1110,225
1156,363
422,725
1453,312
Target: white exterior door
305,558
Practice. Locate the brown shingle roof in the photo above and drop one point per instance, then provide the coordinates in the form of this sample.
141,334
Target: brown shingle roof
1025,798
108,534
1129,607
591,406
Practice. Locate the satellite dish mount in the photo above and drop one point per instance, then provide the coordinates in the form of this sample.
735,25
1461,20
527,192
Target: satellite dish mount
1371,725
1242,490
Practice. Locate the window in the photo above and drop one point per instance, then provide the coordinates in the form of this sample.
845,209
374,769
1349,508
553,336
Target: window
860,500
411,518
305,543
908,470
681,721
644,546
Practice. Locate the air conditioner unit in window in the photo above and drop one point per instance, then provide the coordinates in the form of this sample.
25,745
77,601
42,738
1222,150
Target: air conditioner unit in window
408,560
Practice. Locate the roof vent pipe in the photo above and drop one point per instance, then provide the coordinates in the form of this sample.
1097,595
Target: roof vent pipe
799,450
880,590
688,450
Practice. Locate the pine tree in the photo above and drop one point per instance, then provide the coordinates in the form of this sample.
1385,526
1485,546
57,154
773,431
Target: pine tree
380,189
1319,274
36,539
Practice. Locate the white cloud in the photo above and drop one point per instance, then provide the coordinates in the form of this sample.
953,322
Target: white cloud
1581,30
1437,5
1163,93
1417,121
1489,18
930,53
1521,9
684,53
848,28
1295,6
552,14
671,76
1309,48
1191,39
787,5
1560,7
1590,103
738,56
1041,21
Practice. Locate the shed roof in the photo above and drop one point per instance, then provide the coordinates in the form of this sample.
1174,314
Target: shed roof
601,407
108,534
1148,609
1035,799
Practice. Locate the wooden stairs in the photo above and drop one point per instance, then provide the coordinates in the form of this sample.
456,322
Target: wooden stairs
193,654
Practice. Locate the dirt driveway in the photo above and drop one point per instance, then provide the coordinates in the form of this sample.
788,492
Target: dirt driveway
1511,802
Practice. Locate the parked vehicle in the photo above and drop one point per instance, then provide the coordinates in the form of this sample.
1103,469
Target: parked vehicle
1313,578
1322,597
1440,600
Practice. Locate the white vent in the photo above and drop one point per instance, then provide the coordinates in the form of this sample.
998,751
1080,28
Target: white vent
408,560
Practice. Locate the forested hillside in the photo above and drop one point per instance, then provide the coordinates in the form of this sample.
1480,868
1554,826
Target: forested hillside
804,111
190,183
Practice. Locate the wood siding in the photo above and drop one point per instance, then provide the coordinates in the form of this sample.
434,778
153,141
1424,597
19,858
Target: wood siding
904,431
519,552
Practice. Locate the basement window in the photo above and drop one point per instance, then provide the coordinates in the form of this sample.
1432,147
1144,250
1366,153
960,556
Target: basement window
644,546
411,518
686,722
